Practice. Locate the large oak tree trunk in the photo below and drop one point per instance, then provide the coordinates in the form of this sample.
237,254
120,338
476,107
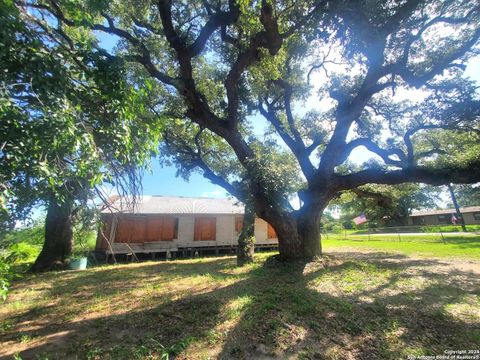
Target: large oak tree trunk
58,237
309,231
299,239
246,240
290,243
299,234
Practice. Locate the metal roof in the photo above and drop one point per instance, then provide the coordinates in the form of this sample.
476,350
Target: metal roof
175,205
446,211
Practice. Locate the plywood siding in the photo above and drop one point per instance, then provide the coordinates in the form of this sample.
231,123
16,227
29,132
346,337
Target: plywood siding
261,233
161,228
238,224
139,229
271,234
154,229
205,229
167,232
124,231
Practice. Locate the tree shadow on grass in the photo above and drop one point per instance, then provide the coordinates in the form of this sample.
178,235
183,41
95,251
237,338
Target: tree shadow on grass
372,306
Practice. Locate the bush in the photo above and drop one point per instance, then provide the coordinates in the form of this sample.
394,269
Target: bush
18,249
26,243
8,272
336,228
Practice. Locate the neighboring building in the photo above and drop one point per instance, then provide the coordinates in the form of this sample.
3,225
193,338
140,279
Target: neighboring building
471,215
176,224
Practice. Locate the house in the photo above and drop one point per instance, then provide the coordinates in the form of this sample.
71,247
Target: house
176,225
471,215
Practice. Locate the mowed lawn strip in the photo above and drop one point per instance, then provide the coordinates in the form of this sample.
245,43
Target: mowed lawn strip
429,245
346,306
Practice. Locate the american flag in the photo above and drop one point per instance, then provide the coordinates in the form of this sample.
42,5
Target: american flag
454,219
360,219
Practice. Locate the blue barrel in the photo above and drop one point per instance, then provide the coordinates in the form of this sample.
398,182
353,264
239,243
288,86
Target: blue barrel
78,264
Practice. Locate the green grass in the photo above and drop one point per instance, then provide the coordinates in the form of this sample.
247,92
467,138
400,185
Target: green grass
411,229
370,305
449,228
432,245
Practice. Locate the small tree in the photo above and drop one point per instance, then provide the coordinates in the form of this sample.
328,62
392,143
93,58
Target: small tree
246,240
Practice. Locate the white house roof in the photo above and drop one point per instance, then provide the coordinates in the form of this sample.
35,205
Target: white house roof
446,211
175,205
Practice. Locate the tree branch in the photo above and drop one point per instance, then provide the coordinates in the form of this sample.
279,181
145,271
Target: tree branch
269,39
195,160
371,146
298,149
464,175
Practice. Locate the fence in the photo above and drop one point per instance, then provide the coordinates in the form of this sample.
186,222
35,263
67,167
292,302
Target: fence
403,233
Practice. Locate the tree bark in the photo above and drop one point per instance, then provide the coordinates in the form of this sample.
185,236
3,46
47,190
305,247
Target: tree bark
299,237
309,230
246,240
290,242
298,232
58,237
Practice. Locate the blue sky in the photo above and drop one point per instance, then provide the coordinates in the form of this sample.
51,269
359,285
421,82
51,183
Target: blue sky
162,181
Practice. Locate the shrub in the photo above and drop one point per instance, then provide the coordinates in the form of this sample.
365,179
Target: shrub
8,272
18,248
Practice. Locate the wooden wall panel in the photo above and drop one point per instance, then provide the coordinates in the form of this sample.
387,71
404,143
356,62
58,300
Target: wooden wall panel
139,229
205,229
124,231
154,228
170,228
271,234
238,224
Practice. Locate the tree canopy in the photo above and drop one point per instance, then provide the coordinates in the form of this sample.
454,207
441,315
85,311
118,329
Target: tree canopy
386,204
66,122
327,76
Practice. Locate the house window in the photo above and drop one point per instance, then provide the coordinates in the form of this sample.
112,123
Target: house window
271,234
444,218
418,220
161,228
476,216
238,224
205,229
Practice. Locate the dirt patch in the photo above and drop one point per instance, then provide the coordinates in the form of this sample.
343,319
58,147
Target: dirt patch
441,264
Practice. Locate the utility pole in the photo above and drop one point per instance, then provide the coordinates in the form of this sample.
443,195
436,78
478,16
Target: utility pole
457,208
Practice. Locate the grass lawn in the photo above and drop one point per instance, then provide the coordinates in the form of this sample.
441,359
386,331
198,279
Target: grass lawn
350,305
425,245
